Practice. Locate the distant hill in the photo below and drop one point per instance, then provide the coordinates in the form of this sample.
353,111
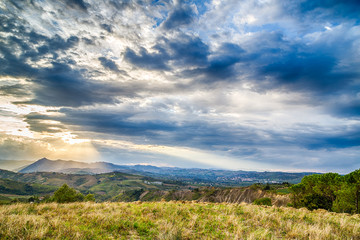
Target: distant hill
8,186
46,165
217,177
105,186
189,175
118,186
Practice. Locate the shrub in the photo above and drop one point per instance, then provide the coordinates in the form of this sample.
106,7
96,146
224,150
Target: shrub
89,198
263,201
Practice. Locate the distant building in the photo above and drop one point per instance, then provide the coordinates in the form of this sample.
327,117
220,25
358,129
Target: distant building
153,183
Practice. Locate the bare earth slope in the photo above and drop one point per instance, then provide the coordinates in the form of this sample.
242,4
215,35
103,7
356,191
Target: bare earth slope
218,195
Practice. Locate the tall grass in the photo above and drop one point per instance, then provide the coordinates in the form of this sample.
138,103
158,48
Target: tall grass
172,220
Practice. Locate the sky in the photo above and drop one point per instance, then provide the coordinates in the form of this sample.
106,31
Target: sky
253,84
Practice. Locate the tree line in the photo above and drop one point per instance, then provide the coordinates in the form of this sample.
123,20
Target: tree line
330,191
65,194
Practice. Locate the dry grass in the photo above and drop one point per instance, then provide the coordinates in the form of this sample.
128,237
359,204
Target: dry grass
172,220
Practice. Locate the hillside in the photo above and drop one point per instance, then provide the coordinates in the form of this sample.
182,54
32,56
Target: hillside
127,187
218,177
14,187
188,175
216,195
105,186
172,220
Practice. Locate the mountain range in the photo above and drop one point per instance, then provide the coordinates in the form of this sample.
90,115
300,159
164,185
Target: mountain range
111,182
187,175
46,165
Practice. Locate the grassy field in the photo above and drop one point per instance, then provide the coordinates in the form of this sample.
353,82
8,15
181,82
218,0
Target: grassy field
172,220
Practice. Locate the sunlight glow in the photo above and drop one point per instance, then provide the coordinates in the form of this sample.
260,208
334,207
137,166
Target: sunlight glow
71,139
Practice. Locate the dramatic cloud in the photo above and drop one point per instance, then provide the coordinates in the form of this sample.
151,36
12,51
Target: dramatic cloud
262,85
182,15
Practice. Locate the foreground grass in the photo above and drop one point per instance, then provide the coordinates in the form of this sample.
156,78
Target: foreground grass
172,220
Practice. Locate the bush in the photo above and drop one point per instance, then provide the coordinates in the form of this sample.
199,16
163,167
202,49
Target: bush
263,201
89,198
66,194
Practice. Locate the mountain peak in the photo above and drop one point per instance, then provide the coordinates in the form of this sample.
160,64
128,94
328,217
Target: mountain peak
46,165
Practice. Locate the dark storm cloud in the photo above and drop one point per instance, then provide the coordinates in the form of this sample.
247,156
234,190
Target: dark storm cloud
63,86
313,68
350,109
33,47
106,27
58,85
335,8
237,140
79,4
308,71
187,50
88,41
184,50
36,123
199,134
109,64
17,90
346,139
182,15
153,61
219,65
13,65
122,4
107,122
55,44
8,24
168,132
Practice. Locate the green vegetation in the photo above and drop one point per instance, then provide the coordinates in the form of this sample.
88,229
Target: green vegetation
129,195
66,194
14,191
263,201
172,220
128,188
329,191
105,187
14,187
4,200
283,191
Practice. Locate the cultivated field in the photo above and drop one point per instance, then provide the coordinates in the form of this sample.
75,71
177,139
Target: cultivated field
172,220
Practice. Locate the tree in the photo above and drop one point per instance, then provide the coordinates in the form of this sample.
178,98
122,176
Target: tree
317,191
349,196
315,201
67,194
345,199
298,191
